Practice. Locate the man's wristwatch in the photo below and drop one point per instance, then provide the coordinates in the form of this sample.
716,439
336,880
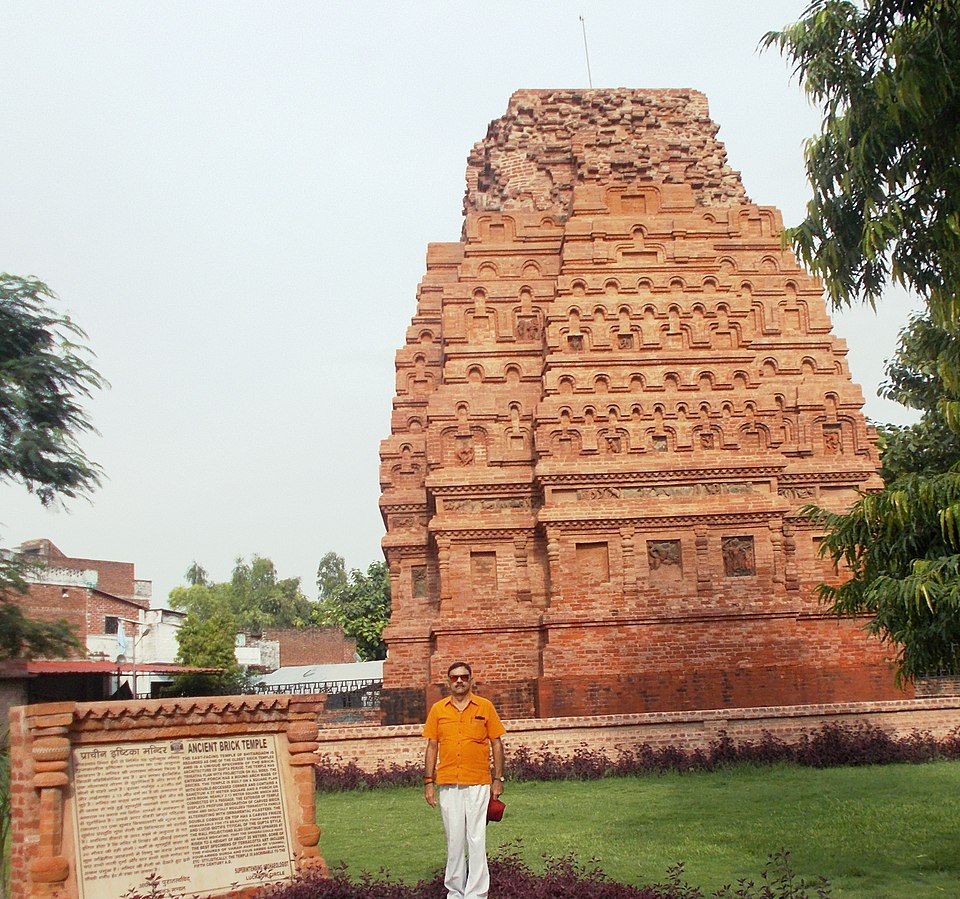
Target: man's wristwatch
499,778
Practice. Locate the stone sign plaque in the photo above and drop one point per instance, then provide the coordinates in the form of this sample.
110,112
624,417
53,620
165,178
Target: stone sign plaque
196,816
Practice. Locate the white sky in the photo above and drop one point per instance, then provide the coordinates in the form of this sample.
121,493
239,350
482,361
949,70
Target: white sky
234,200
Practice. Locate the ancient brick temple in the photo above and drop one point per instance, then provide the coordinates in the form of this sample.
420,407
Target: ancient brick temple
616,394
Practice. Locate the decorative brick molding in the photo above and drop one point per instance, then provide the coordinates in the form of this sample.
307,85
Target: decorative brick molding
43,739
374,747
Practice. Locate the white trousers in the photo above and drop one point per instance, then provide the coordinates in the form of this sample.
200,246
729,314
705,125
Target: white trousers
464,814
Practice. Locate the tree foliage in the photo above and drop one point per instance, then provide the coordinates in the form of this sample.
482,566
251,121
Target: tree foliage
253,599
331,575
196,574
44,378
915,379
901,545
886,185
358,604
209,643
885,175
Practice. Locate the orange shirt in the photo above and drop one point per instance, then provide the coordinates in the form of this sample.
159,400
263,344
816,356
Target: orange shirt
463,739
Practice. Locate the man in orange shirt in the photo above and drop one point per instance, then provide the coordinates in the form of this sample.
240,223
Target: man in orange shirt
460,731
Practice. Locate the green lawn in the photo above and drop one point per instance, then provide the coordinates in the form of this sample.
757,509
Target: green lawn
878,832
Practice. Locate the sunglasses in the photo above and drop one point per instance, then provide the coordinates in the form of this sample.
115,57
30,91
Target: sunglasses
463,677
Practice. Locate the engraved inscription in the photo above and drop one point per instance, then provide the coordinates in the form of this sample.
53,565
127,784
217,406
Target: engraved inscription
798,492
199,814
692,491
528,328
832,440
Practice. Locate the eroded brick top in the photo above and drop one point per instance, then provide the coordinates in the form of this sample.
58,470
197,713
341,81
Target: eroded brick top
550,140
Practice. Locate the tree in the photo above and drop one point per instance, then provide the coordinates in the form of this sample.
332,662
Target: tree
360,606
208,642
253,599
261,599
886,187
44,376
901,544
885,174
915,380
196,574
331,575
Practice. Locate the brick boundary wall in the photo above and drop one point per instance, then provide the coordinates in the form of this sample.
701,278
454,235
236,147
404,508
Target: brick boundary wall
371,747
42,737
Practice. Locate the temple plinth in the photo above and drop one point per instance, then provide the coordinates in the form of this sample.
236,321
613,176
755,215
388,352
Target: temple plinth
616,394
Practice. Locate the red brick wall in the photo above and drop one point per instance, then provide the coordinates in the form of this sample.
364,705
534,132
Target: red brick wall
373,747
82,607
112,577
312,646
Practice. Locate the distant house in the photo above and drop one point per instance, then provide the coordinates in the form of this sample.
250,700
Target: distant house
94,595
130,647
283,647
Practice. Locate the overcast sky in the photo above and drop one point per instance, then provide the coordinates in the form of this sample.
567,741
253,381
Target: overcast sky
234,200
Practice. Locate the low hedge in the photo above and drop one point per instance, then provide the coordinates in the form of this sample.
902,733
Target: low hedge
831,745
563,877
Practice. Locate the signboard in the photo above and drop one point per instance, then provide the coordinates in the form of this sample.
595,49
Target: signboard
193,816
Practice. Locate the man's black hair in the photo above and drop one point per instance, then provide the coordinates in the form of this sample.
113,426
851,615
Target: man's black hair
460,665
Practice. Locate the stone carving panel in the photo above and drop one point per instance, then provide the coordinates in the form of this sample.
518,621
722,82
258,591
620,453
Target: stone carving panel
738,557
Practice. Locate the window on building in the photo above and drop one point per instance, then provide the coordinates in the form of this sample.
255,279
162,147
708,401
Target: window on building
111,624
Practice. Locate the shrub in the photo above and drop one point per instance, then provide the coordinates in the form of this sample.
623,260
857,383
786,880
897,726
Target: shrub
333,777
830,746
777,881
510,878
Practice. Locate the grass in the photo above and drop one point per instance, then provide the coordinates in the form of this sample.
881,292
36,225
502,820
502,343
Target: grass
876,832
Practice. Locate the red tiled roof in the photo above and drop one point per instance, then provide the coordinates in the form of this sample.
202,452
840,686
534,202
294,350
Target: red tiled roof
34,667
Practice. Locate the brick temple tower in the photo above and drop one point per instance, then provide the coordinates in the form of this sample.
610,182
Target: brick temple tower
616,394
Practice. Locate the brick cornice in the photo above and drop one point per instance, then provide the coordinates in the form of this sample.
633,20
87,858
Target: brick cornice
564,520
856,477
461,534
686,475
503,488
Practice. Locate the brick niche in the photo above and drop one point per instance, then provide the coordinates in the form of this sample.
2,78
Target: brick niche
615,395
